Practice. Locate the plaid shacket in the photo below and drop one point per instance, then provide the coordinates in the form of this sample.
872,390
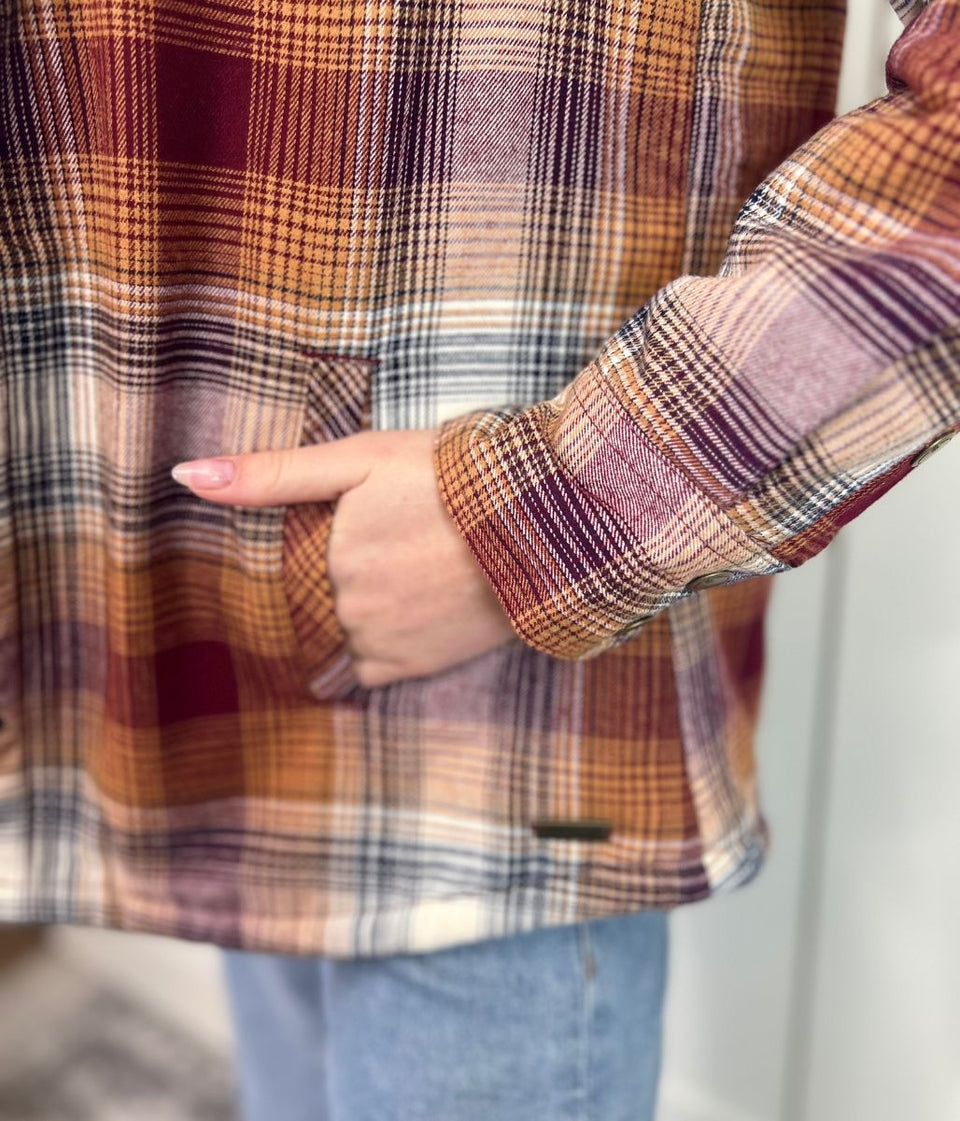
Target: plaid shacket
659,377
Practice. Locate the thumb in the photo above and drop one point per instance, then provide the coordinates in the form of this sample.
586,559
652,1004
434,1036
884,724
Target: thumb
315,473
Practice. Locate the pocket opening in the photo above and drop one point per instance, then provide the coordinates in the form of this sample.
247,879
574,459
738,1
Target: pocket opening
337,404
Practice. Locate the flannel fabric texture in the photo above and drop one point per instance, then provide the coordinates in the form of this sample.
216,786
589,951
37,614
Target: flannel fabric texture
674,325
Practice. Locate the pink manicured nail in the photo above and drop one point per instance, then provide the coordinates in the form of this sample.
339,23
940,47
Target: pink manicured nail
204,473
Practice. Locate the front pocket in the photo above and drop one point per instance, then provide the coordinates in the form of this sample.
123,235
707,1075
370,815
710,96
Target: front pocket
337,405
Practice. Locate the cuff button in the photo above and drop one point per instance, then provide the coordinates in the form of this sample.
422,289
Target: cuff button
637,625
926,452
711,580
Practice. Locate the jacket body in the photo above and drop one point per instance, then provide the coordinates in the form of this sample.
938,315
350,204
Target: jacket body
253,225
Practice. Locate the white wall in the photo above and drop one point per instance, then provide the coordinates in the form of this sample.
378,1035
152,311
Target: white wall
732,984
884,1039
871,30
827,990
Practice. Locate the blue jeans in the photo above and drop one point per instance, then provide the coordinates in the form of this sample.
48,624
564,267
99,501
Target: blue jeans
561,1023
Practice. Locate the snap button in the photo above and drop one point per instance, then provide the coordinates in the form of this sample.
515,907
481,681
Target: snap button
637,625
711,580
926,452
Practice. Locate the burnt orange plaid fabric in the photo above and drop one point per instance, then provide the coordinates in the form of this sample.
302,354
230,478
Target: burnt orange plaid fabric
543,228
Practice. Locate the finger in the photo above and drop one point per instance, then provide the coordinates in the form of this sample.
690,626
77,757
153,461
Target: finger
316,473
374,674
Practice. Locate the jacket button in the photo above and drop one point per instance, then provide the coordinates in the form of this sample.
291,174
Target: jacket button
637,625
926,452
710,580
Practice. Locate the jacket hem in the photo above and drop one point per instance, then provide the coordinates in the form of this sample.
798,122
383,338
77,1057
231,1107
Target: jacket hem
424,925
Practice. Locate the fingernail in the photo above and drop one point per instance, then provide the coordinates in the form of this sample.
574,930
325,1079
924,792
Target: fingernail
205,473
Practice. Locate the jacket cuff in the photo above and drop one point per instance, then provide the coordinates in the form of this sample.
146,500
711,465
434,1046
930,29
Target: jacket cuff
583,525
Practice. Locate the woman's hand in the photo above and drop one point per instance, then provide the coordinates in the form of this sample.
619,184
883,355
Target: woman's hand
408,592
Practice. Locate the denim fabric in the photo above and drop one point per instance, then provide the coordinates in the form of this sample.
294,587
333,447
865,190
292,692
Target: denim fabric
559,1024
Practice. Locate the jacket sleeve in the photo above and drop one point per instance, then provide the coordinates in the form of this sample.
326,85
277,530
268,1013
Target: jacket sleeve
733,425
